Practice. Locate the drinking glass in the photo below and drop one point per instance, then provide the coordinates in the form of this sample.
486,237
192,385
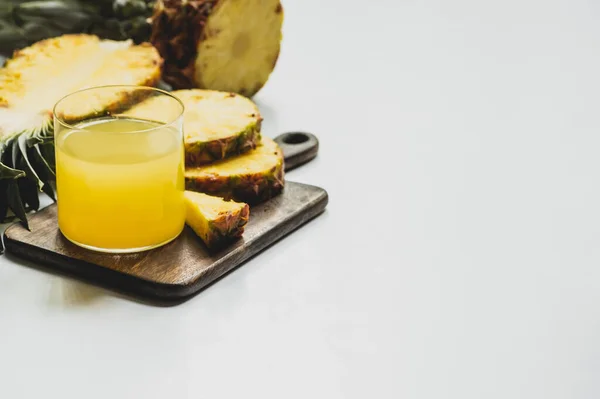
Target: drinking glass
119,172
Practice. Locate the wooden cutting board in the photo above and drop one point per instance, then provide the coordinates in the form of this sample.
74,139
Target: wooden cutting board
185,266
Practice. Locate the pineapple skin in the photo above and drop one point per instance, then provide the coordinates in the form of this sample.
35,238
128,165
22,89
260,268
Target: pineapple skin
252,187
215,231
186,37
184,21
200,153
124,101
226,228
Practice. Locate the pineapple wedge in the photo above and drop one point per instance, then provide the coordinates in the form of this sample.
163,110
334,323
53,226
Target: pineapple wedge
214,220
216,124
251,177
229,45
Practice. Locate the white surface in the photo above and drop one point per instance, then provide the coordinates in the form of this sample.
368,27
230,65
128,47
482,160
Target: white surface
469,269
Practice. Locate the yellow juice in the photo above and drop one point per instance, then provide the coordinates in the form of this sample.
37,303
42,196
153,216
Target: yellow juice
120,187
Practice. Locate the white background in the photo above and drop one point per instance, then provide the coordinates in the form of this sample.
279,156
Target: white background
459,256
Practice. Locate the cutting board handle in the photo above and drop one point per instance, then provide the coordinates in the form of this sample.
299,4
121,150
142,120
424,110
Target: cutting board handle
298,148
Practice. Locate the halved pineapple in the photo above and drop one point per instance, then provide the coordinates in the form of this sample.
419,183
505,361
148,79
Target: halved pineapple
251,177
38,76
216,124
215,220
229,45
33,81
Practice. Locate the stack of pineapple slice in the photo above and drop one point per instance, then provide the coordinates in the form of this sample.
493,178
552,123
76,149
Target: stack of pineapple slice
229,165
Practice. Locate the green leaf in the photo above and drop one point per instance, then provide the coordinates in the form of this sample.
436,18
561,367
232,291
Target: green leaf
22,142
43,169
11,38
42,160
63,16
4,155
49,191
15,203
3,199
15,154
10,173
29,194
47,150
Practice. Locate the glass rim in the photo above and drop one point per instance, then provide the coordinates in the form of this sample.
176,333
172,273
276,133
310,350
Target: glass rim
149,88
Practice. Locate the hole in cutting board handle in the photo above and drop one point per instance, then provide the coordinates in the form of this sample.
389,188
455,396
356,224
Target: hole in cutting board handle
295,138
298,148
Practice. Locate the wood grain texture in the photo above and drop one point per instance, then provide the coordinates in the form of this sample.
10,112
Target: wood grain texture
176,270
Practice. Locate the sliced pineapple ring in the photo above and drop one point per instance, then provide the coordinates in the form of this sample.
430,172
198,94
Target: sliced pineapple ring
252,177
236,50
215,220
216,124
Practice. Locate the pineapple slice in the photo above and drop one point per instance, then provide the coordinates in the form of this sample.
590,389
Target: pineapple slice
229,45
33,81
216,124
215,220
252,177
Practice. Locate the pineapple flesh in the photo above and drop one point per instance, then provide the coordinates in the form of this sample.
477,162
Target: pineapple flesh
216,124
36,77
252,177
216,221
228,45
32,81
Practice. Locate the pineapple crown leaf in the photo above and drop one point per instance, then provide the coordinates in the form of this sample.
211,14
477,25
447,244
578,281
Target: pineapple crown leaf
15,203
22,144
45,162
26,153
10,173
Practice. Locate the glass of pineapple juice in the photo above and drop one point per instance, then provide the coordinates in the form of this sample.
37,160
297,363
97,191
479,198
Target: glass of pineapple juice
119,180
